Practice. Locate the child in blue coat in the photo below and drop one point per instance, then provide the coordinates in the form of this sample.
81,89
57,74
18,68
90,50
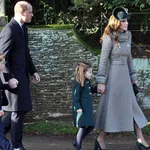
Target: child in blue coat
82,102
4,143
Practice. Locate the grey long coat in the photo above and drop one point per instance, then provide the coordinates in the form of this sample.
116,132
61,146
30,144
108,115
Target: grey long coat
118,108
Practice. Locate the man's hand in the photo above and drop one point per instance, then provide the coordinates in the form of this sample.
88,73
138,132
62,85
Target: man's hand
13,83
36,77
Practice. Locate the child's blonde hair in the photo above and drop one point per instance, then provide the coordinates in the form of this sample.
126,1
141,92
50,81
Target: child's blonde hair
2,57
80,70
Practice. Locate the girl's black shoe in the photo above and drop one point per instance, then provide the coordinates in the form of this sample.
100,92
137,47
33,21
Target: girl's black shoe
140,146
74,143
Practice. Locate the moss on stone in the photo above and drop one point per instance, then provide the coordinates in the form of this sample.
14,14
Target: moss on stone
147,90
70,34
52,26
86,45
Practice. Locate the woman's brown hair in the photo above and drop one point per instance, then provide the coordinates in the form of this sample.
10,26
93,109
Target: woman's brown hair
113,25
80,70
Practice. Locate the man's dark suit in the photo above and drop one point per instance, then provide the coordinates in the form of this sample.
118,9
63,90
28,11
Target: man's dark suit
14,43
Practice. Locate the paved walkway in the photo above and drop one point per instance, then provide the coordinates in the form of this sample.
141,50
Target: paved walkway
32,142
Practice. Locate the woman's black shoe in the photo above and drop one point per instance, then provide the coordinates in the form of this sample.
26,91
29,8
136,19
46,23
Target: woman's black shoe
97,146
140,146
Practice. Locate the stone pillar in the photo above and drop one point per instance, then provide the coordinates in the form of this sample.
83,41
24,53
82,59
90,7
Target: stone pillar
2,13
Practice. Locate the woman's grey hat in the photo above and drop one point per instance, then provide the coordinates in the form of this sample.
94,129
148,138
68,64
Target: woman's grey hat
120,13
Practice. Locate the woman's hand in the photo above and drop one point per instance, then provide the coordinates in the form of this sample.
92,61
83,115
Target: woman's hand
101,88
79,110
135,82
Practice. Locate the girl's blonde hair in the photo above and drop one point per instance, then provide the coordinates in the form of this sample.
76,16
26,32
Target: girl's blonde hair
113,25
80,70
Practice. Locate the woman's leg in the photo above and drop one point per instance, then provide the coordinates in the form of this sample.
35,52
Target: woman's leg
101,139
140,137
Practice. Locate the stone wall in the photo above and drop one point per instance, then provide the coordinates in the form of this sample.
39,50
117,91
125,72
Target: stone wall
55,53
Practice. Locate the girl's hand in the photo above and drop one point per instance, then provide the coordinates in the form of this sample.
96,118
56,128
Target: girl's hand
1,113
101,88
79,110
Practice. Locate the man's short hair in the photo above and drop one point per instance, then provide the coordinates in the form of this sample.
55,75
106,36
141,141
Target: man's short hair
21,6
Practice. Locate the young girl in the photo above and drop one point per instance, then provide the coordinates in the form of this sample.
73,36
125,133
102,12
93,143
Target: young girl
82,102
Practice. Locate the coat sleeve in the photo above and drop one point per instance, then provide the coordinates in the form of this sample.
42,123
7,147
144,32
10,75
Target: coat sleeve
94,89
76,96
6,44
132,70
5,87
32,68
105,52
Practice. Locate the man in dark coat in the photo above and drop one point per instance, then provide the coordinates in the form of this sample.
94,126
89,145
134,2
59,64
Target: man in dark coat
14,44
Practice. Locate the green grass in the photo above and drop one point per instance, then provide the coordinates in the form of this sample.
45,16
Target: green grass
64,128
52,26
50,128
146,130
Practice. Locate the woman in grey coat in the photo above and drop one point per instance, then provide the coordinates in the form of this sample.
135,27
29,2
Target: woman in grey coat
118,109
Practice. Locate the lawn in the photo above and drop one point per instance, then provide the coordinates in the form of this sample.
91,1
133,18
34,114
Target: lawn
62,128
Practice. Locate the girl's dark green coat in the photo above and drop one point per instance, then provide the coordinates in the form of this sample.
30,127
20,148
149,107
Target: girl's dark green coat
82,99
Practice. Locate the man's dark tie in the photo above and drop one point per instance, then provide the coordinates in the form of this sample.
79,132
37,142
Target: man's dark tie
23,27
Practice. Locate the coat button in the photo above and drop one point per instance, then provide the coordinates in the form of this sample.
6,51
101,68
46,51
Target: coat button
89,87
90,93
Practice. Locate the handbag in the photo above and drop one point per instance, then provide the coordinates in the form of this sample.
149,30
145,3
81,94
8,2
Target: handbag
135,89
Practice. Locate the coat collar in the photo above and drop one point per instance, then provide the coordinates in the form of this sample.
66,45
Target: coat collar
18,27
122,36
